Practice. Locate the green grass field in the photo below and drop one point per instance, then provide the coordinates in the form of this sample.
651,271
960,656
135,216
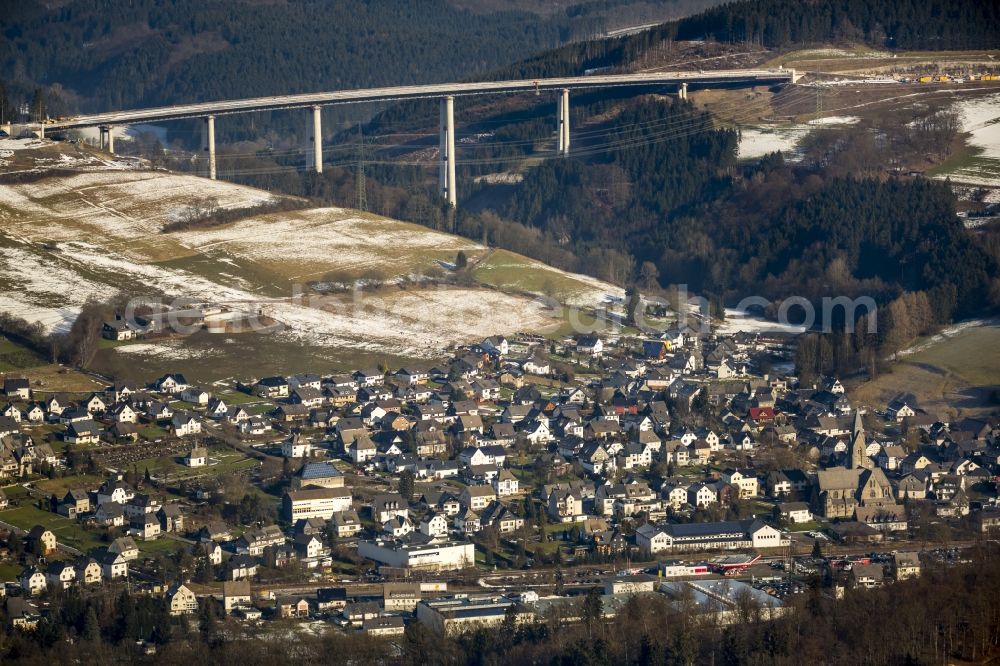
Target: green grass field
67,531
953,376
237,397
17,357
58,487
973,354
14,492
507,270
9,571
163,545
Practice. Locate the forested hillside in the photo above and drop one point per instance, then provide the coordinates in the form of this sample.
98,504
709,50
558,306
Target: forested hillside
894,24
146,52
668,192
102,54
904,24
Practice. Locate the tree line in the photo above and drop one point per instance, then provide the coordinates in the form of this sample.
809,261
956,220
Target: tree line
886,626
76,346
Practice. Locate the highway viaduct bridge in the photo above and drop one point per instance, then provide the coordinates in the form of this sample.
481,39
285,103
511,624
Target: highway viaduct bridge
445,91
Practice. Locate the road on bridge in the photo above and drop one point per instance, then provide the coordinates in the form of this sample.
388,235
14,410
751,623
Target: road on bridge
306,100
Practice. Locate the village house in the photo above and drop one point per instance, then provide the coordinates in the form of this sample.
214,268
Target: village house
181,600
185,424
41,541
235,595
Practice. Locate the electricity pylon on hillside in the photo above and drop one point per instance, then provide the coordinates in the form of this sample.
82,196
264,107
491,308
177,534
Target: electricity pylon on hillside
362,194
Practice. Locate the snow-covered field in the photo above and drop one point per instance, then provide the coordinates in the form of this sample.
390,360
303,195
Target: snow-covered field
834,121
420,323
980,118
737,320
67,238
113,204
759,141
173,350
303,245
53,319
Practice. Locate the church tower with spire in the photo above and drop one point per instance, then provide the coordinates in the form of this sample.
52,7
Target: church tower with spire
859,447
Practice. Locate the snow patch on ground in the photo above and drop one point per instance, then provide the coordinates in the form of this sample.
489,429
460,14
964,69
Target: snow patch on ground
759,141
410,323
980,118
419,323
834,120
170,350
116,204
58,320
44,279
324,239
948,332
737,320
21,144
69,238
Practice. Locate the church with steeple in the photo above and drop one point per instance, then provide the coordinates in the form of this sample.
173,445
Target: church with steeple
858,458
841,491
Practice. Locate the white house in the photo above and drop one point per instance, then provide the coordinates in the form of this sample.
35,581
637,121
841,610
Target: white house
434,524
195,396
185,424
589,344
505,483
296,446
32,581
795,512
181,600
651,539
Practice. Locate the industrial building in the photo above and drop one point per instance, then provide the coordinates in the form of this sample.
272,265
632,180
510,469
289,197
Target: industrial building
415,552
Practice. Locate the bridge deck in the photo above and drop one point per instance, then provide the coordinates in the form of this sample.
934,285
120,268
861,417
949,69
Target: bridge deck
202,109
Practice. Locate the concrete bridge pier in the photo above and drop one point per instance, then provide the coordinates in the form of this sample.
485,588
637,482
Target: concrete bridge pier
447,149
683,92
317,139
210,124
107,138
564,122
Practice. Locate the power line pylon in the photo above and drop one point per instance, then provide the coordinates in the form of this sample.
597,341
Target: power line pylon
362,194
